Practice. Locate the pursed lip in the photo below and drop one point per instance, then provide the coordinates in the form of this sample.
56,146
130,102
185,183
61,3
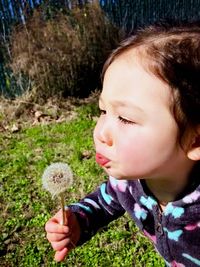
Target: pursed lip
101,160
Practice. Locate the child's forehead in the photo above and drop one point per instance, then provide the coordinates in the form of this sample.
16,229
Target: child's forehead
140,56
137,55
128,76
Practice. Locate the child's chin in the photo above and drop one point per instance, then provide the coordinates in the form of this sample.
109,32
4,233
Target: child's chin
111,172
120,176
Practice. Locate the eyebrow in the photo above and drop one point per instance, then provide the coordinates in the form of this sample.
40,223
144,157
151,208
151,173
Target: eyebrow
119,103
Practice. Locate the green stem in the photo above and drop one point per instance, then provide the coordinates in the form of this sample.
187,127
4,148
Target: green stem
63,208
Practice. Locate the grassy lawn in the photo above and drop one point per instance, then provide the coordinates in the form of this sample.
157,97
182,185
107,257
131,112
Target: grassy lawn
25,206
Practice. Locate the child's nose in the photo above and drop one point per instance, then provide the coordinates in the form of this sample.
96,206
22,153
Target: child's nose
104,135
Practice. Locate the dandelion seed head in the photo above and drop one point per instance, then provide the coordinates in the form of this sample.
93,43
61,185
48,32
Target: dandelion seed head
56,178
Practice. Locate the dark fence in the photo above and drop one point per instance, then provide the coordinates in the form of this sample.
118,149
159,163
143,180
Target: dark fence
126,14
129,14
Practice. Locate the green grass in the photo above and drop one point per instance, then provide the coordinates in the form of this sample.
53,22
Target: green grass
25,206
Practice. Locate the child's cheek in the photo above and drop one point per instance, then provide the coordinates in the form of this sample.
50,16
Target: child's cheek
133,152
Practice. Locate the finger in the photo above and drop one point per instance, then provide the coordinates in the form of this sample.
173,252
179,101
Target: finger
61,244
60,255
52,226
62,216
55,237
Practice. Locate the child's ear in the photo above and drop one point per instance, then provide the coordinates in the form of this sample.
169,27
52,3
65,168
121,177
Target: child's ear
194,150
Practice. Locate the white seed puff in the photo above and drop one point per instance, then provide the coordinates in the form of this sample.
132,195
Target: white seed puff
56,178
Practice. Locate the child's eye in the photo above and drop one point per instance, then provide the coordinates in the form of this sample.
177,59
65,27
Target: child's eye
125,121
102,112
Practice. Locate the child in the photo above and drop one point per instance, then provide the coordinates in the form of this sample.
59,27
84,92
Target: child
147,139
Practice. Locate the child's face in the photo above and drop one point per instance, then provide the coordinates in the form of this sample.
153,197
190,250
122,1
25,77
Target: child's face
136,134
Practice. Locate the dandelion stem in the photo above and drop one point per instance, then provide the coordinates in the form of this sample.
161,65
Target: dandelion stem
63,209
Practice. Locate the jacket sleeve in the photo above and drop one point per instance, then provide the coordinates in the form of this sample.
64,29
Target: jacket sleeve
97,210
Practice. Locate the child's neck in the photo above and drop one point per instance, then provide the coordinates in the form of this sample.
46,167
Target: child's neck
168,190
164,190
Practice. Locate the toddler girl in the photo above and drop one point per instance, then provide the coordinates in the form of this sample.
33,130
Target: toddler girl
147,139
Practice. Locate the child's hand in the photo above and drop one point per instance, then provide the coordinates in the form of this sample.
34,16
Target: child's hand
62,237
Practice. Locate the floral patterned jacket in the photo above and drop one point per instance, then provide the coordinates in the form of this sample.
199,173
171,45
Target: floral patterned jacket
175,232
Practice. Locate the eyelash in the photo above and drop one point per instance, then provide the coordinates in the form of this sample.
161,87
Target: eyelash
102,112
121,119
125,121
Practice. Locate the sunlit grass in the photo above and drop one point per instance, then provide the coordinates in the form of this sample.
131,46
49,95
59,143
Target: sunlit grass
25,206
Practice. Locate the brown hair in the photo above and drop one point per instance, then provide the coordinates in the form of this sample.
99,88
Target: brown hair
173,55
